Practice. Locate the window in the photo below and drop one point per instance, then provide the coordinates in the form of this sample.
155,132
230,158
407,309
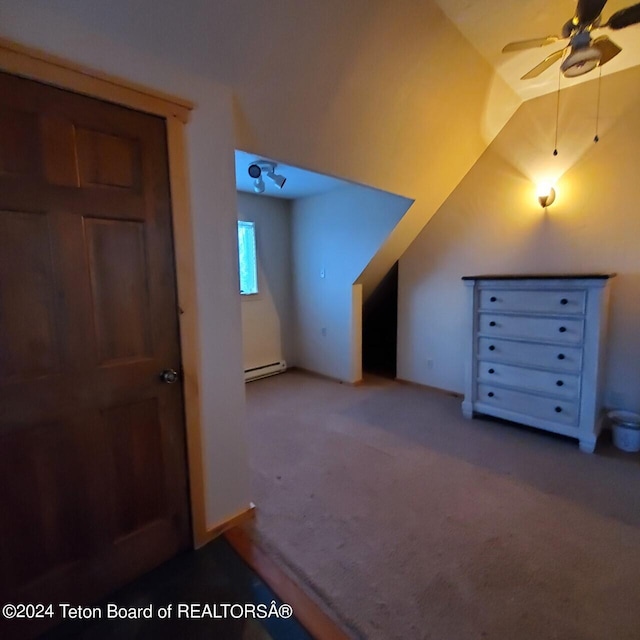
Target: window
248,266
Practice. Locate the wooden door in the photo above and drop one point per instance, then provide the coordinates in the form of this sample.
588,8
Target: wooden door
93,487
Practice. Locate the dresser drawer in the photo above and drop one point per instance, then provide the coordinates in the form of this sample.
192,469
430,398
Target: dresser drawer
564,330
528,301
559,411
549,356
564,385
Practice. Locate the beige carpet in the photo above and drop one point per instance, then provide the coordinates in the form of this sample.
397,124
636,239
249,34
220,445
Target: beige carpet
411,522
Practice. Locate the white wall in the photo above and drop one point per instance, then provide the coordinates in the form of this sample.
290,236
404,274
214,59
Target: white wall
267,317
492,223
335,234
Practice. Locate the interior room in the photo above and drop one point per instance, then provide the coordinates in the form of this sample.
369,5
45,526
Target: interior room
311,240
421,148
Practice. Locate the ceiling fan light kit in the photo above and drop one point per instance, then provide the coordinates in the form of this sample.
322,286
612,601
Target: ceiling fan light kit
585,54
580,61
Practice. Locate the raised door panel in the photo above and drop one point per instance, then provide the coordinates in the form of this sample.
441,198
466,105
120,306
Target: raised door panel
135,446
50,481
107,160
58,138
119,283
28,346
20,154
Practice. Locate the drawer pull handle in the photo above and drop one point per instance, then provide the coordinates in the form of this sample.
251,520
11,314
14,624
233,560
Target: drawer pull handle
492,370
559,383
493,298
564,301
558,409
492,347
492,323
490,394
561,356
562,329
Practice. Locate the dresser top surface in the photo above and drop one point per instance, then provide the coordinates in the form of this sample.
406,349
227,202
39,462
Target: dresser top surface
542,276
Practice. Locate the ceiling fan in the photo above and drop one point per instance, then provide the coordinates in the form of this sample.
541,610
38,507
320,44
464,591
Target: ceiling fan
585,53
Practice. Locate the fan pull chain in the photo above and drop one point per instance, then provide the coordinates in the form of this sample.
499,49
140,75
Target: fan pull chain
555,144
596,137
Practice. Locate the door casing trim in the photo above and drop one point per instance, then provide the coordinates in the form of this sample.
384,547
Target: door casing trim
40,66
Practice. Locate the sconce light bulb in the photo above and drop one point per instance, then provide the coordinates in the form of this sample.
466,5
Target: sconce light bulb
546,195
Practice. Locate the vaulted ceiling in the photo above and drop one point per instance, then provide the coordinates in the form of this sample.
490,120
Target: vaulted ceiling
194,34
490,24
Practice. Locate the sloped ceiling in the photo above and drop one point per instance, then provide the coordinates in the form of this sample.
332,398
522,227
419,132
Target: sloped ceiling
194,35
300,183
490,24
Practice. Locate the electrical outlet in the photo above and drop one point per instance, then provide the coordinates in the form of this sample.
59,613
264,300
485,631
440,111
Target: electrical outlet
429,364
322,272
323,331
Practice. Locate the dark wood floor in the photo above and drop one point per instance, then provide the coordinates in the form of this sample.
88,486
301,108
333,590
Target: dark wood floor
319,621
213,574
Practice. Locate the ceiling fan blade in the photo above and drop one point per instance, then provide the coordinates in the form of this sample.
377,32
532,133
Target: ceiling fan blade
608,49
545,64
588,10
624,17
521,45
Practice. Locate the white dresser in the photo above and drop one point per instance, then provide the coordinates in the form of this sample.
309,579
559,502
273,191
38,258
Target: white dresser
536,347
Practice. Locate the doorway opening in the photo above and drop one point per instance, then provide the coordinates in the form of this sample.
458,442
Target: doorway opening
380,327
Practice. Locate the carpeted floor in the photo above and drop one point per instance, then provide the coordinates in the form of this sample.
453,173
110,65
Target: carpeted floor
412,523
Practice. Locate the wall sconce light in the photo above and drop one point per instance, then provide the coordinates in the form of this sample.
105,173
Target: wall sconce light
546,195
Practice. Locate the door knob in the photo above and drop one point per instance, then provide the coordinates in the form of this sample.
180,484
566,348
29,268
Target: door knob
169,376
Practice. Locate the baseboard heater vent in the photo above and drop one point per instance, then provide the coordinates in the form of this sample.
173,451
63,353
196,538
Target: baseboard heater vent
265,370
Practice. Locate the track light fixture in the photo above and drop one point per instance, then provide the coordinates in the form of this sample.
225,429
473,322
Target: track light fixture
277,179
258,185
258,167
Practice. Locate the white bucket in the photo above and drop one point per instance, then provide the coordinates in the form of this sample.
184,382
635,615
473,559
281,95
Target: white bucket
626,430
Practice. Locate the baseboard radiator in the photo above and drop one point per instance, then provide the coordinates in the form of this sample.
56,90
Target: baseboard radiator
256,373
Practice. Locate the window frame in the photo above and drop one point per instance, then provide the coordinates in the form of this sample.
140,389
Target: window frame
249,224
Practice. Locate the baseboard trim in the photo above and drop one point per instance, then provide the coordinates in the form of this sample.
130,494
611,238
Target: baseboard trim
306,611
242,517
447,392
323,376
